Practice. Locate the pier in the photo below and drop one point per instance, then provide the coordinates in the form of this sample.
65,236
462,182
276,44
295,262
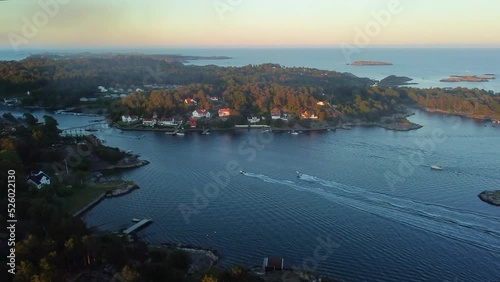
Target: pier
137,226
83,130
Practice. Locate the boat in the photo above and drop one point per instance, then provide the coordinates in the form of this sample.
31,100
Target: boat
294,133
243,172
436,167
299,175
135,220
180,133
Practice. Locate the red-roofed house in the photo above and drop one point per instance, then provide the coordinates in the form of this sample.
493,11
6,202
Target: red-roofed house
201,113
309,115
224,112
149,122
275,113
193,123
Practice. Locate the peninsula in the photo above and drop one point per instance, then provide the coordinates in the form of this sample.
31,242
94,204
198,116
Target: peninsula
371,63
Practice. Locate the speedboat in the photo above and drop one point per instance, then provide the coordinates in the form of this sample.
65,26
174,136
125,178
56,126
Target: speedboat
180,134
299,175
295,133
243,172
436,167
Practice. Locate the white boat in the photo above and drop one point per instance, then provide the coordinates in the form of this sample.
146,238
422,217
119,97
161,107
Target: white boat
294,133
299,175
243,172
180,133
436,167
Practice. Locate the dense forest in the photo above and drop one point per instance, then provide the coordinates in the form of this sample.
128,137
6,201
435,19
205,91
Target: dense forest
248,90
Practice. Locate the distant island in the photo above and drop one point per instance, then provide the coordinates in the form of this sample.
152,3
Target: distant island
392,81
371,63
110,55
491,197
469,78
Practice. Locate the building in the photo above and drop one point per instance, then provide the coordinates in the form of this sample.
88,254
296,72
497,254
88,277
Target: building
215,99
167,122
273,264
129,119
253,119
190,101
193,123
309,115
149,122
39,179
224,112
201,113
275,113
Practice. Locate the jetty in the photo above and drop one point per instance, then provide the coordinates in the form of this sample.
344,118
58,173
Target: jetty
137,226
90,205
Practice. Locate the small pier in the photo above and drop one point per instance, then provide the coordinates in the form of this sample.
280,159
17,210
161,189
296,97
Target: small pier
137,226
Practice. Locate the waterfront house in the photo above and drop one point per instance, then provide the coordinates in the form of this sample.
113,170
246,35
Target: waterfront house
39,179
167,122
273,264
309,115
253,119
193,123
201,113
224,112
149,122
129,119
496,122
275,113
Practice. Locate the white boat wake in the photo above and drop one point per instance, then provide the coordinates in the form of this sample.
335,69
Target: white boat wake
469,227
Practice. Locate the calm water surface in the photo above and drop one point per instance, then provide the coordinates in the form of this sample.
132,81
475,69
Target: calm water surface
429,226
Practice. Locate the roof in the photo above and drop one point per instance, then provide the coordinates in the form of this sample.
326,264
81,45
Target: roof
224,110
37,177
276,112
202,111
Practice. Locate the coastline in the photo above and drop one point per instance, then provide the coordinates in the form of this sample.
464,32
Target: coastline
460,114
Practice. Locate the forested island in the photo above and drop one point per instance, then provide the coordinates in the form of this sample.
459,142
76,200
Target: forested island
371,63
150,86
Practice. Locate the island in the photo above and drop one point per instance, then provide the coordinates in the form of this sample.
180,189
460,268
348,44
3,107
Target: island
393,80
469,78
491,197
371,63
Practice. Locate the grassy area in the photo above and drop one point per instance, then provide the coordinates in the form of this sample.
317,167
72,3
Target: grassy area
83,196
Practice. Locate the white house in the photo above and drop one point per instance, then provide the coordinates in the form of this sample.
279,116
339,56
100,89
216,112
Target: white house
129,119
253,119
102,89
167,122
201,113
149,122
39,179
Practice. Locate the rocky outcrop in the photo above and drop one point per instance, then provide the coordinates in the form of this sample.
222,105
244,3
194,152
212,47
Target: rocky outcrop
491,197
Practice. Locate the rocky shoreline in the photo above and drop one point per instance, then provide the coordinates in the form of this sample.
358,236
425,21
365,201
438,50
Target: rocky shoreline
490,197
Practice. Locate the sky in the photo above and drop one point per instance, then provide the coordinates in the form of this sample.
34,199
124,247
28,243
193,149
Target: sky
248,23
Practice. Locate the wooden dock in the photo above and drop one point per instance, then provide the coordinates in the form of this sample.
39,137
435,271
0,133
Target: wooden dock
137,226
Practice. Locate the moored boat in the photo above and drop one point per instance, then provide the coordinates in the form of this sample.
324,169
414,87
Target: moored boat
436,167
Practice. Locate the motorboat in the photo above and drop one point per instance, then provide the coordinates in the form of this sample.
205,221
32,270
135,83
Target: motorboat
299,175
294,133
436,167
243,172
